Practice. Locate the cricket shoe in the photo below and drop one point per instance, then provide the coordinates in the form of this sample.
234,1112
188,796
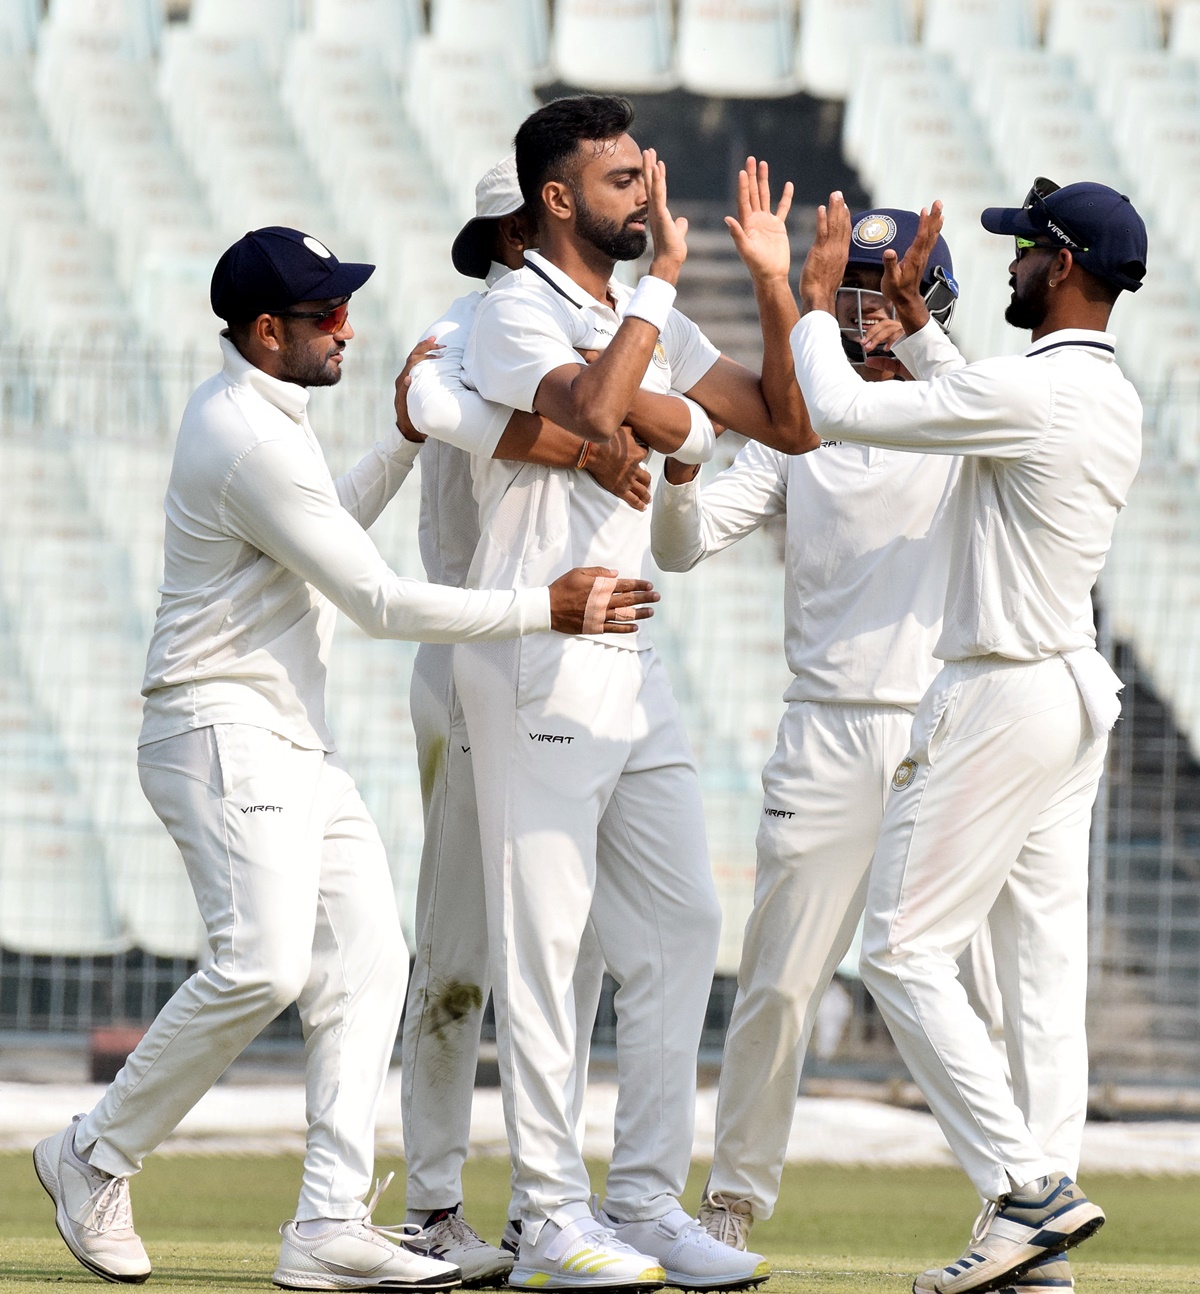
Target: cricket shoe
510,1241
91,1210
355,1254
692,1259
1049,1275
726,1219
447,1235
1015,1234
582,1255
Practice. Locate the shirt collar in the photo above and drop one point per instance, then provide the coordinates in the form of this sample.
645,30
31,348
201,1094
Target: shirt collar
564,284
495,273
287,397
1103,345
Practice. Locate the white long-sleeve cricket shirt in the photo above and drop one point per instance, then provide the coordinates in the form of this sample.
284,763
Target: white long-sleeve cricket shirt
460,424
866,561
262,545
538,522
1051,441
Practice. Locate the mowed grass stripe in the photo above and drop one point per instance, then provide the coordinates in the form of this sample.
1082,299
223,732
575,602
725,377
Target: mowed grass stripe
211,1222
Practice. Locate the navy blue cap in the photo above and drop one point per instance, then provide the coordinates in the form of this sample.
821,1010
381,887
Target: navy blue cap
1098,225
875,231
271,269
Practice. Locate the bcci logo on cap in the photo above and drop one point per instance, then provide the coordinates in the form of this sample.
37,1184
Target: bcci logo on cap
874,231
906,770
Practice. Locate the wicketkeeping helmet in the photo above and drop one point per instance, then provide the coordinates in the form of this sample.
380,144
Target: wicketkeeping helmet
882,228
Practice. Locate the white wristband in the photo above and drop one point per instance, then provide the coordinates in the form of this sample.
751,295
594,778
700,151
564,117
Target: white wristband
652,300
701,442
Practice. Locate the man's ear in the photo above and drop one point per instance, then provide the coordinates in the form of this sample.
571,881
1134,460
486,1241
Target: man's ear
1063,262
513,231
268,332
558,199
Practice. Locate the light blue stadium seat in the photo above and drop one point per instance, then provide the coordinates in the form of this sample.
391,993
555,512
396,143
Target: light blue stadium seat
737,48
626,49
834,34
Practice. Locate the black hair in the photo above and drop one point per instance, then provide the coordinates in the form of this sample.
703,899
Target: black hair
548,139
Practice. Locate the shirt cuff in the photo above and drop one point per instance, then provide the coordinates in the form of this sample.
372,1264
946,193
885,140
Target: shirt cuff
535,610
916,351
406,451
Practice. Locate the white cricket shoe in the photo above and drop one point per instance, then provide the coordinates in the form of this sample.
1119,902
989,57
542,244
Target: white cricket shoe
358,1255
726,1219
91,1210
447,1235
1014,1235
582,1255
692,1259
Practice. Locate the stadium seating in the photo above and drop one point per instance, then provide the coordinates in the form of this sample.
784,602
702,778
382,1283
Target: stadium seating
833,36
623,45
736,48
960,29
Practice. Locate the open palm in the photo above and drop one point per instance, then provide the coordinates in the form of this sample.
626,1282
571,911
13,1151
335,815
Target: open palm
760,235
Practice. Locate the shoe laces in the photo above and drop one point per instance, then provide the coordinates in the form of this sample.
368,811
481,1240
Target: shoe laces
722,1219
109,1208
406,1235
452,1229
983,1222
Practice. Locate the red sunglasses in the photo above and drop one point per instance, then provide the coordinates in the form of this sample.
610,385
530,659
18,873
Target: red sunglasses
329,321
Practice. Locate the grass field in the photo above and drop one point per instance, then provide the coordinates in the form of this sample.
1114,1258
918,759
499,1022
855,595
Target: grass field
209,1223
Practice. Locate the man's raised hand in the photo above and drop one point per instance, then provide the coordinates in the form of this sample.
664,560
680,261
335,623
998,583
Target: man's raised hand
825,264
669,234
761,238
902,275
592,600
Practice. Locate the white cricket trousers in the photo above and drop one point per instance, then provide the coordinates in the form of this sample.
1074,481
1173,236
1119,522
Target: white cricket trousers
450,979
589,801
293,886
824,791
994,817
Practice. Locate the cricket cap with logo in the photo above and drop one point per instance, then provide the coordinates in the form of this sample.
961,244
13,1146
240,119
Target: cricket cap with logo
270,270
1097,225
497,194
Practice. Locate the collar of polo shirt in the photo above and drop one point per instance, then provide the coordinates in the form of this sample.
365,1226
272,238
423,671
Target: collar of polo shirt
287,397
567,286
1103,345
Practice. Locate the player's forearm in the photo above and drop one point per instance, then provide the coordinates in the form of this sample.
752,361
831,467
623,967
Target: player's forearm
661,421
594,403
530,438
788,428
676,537
367,488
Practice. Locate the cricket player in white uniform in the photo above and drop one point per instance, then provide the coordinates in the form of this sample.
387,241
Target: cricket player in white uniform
289,872
450,979
990,809
587,792
866,563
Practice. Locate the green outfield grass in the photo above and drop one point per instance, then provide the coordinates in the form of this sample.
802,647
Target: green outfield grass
209,1223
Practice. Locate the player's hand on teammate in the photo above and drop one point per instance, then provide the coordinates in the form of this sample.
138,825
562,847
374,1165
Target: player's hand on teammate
825,264
616,464
761,238
422,350
902,275
593,600
668,233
